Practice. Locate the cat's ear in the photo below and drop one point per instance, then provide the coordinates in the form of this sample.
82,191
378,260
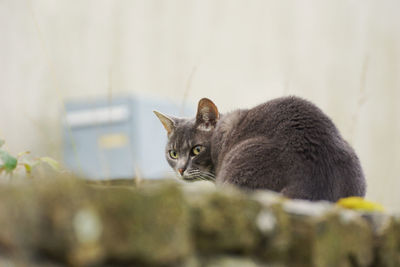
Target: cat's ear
207,114
167,122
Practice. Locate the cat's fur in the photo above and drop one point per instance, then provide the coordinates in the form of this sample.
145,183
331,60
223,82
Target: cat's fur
287,145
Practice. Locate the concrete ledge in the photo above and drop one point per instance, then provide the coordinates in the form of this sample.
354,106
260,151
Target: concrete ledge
64,221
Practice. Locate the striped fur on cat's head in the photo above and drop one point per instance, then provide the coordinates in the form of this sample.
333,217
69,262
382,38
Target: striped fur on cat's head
188,147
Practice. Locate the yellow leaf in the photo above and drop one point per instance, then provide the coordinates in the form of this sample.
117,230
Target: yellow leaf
28,168
23,153
358,203
52,162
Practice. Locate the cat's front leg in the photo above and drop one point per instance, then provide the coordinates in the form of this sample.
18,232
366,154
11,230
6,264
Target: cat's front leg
255,163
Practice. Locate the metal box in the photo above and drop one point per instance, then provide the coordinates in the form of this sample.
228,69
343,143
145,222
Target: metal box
116,139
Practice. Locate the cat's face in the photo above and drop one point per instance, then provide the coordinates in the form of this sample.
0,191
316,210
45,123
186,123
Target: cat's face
188,148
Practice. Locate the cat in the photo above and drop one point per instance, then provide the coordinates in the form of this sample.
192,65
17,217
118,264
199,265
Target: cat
286,145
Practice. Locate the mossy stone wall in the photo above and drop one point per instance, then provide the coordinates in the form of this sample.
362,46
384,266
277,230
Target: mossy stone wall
66,222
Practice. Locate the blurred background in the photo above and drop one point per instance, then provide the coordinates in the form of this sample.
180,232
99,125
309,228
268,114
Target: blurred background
64,63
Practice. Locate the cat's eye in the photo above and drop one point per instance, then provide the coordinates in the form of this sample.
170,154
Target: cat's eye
173,154
197,149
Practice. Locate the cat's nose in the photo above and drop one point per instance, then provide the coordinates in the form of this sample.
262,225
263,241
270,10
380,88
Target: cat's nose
181,170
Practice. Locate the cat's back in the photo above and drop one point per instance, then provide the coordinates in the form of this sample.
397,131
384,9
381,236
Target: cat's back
286,117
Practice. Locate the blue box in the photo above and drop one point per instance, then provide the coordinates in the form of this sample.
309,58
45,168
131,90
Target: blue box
120,138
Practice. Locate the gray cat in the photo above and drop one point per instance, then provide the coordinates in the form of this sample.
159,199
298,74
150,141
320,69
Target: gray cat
287,145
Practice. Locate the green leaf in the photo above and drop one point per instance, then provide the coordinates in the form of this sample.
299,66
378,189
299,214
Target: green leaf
9,162
1,142
52,162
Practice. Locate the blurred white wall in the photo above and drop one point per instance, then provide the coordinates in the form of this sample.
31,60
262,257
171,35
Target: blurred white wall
343,55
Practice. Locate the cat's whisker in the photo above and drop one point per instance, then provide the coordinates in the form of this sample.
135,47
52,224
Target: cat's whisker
200,175
205,176
208,174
